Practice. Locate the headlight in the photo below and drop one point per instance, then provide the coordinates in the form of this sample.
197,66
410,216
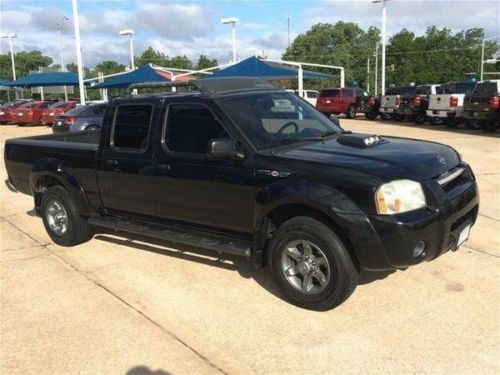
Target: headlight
399,196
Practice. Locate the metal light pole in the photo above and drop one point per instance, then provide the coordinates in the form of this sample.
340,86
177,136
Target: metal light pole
11,36
78,46
376,69
288,22
368,75
482,55
232,21
384,32
63,65
130,34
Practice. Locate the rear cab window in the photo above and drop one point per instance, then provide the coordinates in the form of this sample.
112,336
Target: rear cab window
423,90
131,125
486,88
329,93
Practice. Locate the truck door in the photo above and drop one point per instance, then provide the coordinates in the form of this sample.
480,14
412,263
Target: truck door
126,165
193,189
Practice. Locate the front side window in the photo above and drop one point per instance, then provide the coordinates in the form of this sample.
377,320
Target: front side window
190,127
274,119
131,126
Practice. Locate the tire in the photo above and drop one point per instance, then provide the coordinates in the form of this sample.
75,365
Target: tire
436,121
329,258
92,128
451,123
385,116
372,115
420,119
472,124
398,117
73,229
351,112
489,126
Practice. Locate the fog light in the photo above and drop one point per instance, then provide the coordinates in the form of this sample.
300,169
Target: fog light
419,249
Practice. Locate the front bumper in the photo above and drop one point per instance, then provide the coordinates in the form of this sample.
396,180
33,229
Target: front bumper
392,238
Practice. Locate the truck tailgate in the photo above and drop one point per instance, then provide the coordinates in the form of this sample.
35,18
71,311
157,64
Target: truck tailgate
389,101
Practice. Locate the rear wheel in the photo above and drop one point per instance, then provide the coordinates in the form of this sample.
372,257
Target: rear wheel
61,219
372,115
436,121
351,112
386,116
92,128
451,122
420,119
472,124
398,117
311,265
489,126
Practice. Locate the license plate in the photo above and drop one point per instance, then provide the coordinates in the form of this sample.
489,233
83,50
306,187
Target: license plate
328,101
51,114
464,235
20,114
389,110
474,114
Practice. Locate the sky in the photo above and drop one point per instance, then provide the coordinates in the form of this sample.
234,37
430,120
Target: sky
192,28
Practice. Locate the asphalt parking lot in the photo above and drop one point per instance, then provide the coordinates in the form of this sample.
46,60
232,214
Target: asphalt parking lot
116,305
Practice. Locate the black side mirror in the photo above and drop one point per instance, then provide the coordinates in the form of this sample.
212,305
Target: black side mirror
223,149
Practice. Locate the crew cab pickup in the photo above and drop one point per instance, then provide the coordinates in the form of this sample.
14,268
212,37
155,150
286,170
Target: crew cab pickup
238,166
446,106
394,104
482,106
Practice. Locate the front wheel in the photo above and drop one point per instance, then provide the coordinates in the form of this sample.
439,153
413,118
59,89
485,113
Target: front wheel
61,219
311,265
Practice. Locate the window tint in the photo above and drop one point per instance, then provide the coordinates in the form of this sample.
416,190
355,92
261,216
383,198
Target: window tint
131,127
423,90
97,110
312,94
190,127
408,90
348,92
329,93
486,88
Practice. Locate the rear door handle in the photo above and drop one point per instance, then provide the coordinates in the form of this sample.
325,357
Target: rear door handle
164,167
111,163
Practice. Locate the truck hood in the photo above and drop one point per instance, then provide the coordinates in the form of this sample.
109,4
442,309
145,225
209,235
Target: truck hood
391,158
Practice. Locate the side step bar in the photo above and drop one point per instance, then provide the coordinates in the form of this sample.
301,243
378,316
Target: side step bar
176,235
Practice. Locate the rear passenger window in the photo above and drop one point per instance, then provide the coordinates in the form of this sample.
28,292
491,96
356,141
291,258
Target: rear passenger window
131,127
190,127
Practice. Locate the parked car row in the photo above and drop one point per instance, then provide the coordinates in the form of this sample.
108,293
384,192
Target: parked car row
477,105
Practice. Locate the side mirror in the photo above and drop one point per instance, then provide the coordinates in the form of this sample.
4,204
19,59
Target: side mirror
223,149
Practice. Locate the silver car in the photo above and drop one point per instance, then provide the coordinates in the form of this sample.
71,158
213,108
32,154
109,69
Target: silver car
87,117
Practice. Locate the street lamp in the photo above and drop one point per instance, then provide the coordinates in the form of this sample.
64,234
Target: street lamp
61,56
289,18
11,36
78,46
232,21
130,34
384,19
482,55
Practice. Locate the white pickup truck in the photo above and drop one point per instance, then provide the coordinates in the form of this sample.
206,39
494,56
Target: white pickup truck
446,106
389,103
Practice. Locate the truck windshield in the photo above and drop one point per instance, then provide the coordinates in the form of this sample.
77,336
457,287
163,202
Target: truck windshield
274,119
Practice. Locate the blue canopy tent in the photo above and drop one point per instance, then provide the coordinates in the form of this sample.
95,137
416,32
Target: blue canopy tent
3,82
46,79
145,73
254,67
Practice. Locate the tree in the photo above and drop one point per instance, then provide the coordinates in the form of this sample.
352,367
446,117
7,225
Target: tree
25,62
342,44
204,62
109,67
150,56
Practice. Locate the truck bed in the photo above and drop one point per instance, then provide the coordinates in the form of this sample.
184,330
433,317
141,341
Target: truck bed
73,154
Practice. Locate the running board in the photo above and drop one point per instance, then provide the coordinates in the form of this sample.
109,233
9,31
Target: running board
176,235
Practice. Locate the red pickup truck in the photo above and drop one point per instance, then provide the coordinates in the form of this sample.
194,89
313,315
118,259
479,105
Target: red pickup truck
337,101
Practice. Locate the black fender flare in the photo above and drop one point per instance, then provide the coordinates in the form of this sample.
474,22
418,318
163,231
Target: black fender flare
55,169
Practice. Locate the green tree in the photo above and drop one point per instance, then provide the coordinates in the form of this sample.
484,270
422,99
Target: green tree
150,56
25,62
342,44
204,62
109,67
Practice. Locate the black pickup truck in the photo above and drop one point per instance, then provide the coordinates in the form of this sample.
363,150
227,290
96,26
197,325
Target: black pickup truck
238,166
